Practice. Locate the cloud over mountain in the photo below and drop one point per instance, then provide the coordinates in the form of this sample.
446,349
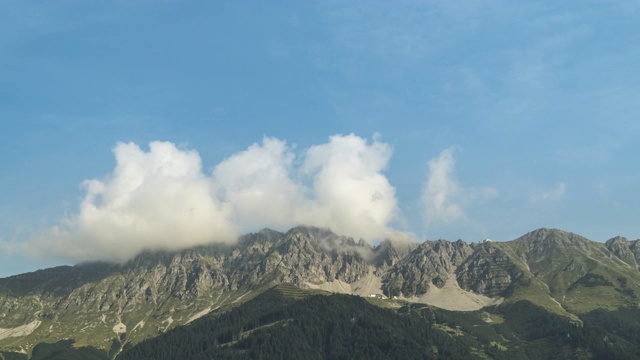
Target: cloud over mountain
158,199
350,191
162,199
258,185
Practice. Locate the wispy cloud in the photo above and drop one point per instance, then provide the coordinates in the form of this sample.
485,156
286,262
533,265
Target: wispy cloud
443,198
441,191
161,199
554,194
7,247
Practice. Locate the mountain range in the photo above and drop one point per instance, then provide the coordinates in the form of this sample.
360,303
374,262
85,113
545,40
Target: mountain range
112,308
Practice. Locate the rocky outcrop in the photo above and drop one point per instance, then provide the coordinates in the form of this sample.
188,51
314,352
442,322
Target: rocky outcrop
301,255
389,252
430,264
489,271
626,250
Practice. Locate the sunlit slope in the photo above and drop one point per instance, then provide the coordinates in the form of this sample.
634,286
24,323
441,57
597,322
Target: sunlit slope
581,275
112,306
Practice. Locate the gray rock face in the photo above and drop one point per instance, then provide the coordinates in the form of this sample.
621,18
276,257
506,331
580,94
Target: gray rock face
489,271
627,250
389,253
302,254
430,264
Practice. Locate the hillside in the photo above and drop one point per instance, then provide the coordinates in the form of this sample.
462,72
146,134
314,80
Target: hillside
111,307
286,322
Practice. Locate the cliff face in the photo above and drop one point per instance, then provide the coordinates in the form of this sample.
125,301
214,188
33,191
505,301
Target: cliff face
627,250
109,305
489,271
430,264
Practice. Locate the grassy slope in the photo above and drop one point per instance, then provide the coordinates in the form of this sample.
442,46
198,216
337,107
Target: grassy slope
571,277
287,322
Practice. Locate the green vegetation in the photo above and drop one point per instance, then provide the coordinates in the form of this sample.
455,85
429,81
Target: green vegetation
579,274
274,325
12,356
286,322
64,350
290,323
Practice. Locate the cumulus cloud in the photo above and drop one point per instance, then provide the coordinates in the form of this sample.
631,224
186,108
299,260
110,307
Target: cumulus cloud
158,199
441,191
443,198
258,185
161,199
549,195
351,194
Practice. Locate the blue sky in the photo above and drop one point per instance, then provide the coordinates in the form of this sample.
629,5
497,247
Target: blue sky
432,119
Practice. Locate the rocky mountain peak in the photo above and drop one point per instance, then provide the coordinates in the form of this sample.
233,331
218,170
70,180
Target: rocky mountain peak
270,233
310,232
553,236
429,264
619,245
545,242
389,252
325,240
618,240
627,250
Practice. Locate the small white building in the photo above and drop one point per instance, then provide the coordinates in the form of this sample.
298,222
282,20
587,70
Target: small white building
377,296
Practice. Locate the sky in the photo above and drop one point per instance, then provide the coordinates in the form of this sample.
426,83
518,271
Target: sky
133,125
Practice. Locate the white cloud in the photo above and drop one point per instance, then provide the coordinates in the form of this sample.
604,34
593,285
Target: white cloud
161,199
443,199
153,200
7,247
554,194
338,184
257,185
441,191
352,195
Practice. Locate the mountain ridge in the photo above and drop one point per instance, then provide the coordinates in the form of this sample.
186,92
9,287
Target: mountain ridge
104,304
